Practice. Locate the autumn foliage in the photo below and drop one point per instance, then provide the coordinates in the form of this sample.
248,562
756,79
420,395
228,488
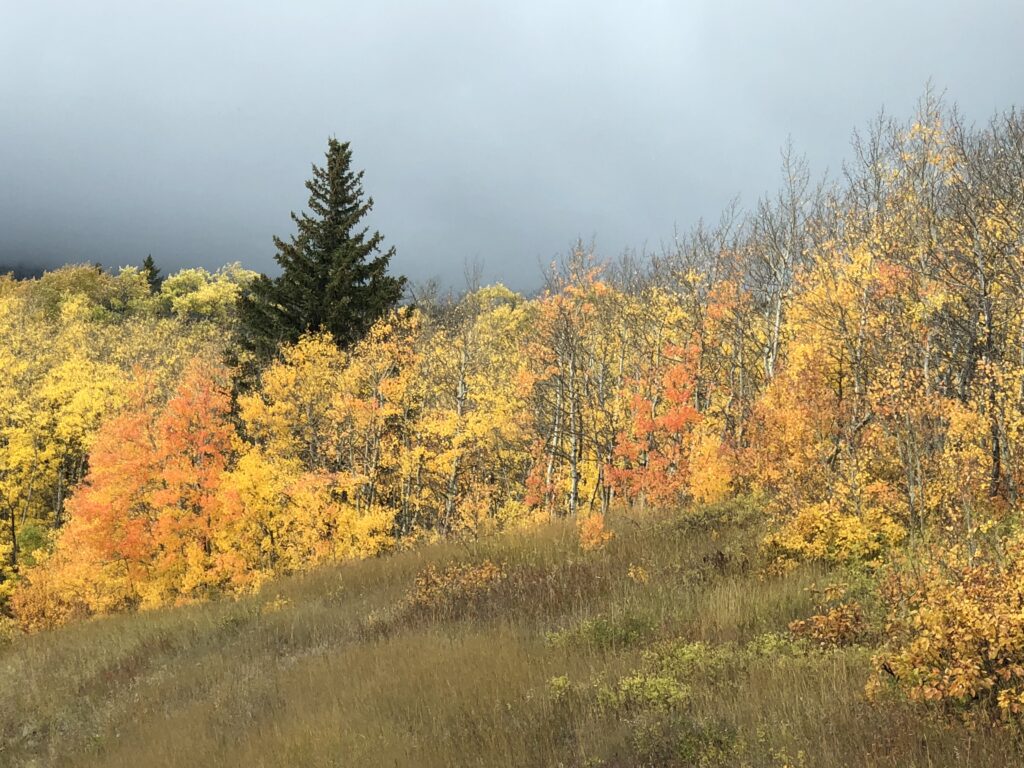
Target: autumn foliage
143,527
849,355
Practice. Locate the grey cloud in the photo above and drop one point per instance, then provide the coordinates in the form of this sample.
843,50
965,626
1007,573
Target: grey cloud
498,131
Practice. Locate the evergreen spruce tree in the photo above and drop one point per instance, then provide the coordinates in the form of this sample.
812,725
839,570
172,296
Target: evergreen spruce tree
333,272
152,273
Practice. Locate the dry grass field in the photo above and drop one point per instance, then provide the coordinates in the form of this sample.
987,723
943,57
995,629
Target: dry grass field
666,647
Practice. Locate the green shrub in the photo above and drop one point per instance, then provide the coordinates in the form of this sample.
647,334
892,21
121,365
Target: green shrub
606,632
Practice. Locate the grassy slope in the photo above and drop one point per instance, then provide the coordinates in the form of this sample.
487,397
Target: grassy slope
331,669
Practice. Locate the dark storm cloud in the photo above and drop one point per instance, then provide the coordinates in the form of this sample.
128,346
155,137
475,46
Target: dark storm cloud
498,131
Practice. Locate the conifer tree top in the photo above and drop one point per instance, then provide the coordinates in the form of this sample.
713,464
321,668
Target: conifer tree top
152,273
333,269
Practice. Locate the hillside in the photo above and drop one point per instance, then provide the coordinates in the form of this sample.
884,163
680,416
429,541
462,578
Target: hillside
666,645
787,453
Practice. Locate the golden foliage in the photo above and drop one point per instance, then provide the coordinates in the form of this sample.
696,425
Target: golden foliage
956,633
593,535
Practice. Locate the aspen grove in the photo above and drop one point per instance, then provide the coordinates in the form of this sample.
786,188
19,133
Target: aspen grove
848,354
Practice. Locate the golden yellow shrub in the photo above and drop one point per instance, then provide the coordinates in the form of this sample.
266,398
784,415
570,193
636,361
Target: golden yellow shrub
957,631
593,534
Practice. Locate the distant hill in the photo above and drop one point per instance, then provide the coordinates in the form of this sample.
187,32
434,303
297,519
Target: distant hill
22,271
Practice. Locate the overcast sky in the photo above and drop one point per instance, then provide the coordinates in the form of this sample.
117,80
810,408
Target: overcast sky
497,131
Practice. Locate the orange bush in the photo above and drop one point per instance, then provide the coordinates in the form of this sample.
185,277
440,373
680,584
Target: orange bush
593,534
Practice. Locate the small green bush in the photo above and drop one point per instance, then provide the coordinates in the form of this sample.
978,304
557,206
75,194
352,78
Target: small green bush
606,632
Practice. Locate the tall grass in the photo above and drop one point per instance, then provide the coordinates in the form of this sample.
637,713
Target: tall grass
667,647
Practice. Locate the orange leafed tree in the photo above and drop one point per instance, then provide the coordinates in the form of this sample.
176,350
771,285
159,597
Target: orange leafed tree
193,448
141,529
652,454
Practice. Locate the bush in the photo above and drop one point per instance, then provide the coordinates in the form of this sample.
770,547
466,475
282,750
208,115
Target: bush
840,623
654,705
593,534
606,632
667,741
8,630
458,590
652,691
829,533
957,632
839,626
